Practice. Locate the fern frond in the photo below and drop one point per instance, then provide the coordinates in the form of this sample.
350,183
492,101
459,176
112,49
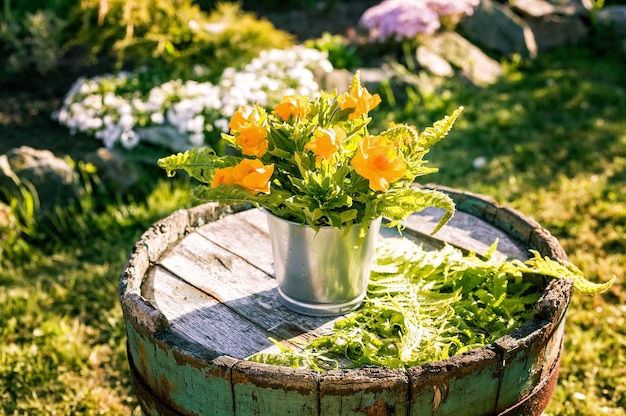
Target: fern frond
400,203
402,131
431,135
561,269
198,163
227,194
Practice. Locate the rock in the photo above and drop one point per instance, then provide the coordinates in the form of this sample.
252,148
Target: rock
338,79
433,62
553,25
474,64
114,170
534,8
371,78
53,179
613,18
499,29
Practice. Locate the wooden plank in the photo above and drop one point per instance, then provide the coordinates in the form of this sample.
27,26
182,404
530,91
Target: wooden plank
200,318
241,287
216,271
245,234
467,232
530,352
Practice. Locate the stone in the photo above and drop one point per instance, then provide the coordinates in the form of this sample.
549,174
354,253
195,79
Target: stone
114,170
433,62
614,18
498,28
474,64
338,79
553,25
534,8
371,78
52,179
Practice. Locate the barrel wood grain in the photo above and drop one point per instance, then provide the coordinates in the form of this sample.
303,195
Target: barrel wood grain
199,296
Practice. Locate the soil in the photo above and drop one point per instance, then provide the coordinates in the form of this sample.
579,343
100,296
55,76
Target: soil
26,105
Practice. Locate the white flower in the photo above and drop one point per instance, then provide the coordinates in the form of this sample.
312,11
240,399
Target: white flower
157,118
129,139
196,124
109,135
191,108
222,124
196,139
127,121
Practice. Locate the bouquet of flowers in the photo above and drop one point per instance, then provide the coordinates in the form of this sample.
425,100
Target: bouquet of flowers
314,162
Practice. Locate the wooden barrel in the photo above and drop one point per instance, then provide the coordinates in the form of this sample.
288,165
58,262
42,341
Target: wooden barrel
198,296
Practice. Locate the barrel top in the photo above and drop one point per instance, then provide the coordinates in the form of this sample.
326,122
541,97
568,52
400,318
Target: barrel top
213,285
199,296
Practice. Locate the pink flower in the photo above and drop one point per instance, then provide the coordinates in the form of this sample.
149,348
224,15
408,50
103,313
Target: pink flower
405,19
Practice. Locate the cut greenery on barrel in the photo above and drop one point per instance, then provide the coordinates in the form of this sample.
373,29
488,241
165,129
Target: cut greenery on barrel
425,306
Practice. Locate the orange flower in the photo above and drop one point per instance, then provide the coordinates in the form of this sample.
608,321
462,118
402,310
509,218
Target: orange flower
360,99
247,124
252,140
293,105
326,142
250,174
245,116
223,176
378,161
253,176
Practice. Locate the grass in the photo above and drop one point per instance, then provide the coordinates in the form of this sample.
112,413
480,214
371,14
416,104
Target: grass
552,134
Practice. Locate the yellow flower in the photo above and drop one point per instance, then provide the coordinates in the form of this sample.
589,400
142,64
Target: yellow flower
360,99
293,105
378,161
247,124
326,142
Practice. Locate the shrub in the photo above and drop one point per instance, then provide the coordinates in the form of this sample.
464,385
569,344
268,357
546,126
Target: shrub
340,52
175,38
30,41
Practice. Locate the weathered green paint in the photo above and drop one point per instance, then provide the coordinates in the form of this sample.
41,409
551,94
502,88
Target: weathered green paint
260,390
189,385
527,362
369,392
468,386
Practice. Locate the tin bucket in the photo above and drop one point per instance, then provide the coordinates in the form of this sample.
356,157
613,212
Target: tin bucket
323,273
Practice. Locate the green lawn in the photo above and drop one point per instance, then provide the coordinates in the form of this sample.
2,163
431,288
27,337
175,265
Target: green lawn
552,134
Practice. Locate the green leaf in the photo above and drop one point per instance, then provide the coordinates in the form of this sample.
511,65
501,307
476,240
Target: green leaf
198,163
397,204
561,269
440,129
